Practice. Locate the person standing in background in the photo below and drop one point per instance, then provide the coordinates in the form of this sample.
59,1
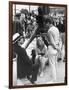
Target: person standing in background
17,27
61,27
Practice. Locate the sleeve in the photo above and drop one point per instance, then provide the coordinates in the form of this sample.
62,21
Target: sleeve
20,28
45,41
45,50
51,37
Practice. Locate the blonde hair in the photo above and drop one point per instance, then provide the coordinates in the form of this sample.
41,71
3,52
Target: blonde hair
40,43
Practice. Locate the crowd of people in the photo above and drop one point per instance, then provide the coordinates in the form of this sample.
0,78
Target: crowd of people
50,44
27,23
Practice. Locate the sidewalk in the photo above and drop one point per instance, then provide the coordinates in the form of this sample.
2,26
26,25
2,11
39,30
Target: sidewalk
47,76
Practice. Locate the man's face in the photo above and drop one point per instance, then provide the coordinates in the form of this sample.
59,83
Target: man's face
46,25
21,41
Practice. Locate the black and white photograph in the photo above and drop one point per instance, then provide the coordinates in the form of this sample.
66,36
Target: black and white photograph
38,51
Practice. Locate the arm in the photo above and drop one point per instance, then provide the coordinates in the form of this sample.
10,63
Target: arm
46,53
45,41
52,42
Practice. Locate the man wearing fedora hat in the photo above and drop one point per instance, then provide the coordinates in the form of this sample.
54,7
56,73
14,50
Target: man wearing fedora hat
25,66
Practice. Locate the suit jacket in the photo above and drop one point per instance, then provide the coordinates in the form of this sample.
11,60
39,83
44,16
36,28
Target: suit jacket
17,27
24,64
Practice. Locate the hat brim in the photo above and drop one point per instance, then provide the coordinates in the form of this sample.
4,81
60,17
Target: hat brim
16,37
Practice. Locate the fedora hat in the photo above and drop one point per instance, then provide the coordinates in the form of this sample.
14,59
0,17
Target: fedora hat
16,37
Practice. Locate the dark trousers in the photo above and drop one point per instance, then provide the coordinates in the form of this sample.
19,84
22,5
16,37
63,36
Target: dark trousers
35,68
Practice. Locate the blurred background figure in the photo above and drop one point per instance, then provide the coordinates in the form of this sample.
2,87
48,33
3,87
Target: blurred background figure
23,19
17,27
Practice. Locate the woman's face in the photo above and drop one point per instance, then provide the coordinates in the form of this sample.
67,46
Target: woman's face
40,41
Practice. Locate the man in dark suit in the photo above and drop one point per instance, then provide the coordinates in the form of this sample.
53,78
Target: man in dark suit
25,66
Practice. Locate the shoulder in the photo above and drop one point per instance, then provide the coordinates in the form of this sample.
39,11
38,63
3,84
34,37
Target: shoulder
53,29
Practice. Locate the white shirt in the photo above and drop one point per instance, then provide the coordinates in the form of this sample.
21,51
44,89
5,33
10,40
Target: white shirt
53,34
